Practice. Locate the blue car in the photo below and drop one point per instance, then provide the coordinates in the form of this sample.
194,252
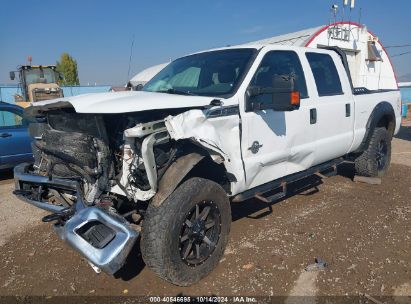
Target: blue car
15,141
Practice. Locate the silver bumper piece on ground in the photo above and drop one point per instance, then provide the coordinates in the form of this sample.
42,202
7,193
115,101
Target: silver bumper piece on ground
112,256
108,251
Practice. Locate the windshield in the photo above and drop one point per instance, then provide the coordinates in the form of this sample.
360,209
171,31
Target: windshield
215,73
37,75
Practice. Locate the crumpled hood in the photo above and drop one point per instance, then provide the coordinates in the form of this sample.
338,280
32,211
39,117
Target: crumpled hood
122,102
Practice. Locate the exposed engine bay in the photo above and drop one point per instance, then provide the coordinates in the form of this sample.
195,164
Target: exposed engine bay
108,153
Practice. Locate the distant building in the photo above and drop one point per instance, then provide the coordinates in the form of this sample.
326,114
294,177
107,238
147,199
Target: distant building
404,84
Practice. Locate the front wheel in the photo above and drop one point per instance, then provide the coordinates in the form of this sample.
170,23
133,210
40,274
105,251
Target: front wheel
184,238
375,161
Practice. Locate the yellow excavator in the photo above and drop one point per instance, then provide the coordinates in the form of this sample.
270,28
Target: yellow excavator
37,83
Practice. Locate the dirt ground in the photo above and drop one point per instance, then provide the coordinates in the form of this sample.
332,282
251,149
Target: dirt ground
362,231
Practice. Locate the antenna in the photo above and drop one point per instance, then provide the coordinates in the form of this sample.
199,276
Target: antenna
345,4
352,4
360,15
359,22
334,9
131,57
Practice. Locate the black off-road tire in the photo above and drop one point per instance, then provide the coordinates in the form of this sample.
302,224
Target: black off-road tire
163,226
367,164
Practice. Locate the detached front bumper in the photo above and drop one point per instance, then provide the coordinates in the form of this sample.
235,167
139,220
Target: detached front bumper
103,239
25,181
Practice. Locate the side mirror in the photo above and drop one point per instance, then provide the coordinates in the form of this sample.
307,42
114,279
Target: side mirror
283,95
12,75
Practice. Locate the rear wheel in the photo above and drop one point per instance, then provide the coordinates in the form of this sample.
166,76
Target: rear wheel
184,238
375,161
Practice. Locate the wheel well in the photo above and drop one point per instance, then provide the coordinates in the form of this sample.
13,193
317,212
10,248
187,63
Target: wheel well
209,169
383,115
193,162
387,121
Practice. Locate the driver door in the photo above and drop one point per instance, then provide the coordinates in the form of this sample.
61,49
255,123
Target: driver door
274,143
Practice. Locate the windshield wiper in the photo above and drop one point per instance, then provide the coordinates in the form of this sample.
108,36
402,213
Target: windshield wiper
174,91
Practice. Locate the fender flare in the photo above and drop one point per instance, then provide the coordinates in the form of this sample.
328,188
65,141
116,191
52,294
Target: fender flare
174,175
381,110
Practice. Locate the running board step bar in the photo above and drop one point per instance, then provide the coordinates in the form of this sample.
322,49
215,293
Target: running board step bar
274,197
331,171
323,171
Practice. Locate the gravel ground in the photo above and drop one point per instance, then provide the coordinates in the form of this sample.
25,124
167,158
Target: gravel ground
362,231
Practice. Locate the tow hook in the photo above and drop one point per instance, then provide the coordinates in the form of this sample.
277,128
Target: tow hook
60,216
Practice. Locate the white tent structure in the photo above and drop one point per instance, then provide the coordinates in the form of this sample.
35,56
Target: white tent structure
300,38
145,75
369,63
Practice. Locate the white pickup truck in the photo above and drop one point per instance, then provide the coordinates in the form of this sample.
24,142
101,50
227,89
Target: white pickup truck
211,128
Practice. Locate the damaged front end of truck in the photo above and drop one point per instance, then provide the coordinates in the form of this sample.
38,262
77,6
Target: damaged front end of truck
96,173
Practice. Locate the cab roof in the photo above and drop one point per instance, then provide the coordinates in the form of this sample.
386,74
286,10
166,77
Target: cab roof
27,67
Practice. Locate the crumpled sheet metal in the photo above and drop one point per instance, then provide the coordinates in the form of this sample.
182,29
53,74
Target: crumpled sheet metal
219,135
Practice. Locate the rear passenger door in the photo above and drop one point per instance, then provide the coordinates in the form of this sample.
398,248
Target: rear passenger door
332,113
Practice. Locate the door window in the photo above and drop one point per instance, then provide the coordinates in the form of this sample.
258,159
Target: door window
278,63
325,74
10,119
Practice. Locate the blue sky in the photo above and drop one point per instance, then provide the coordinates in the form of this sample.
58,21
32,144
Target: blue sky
98,34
